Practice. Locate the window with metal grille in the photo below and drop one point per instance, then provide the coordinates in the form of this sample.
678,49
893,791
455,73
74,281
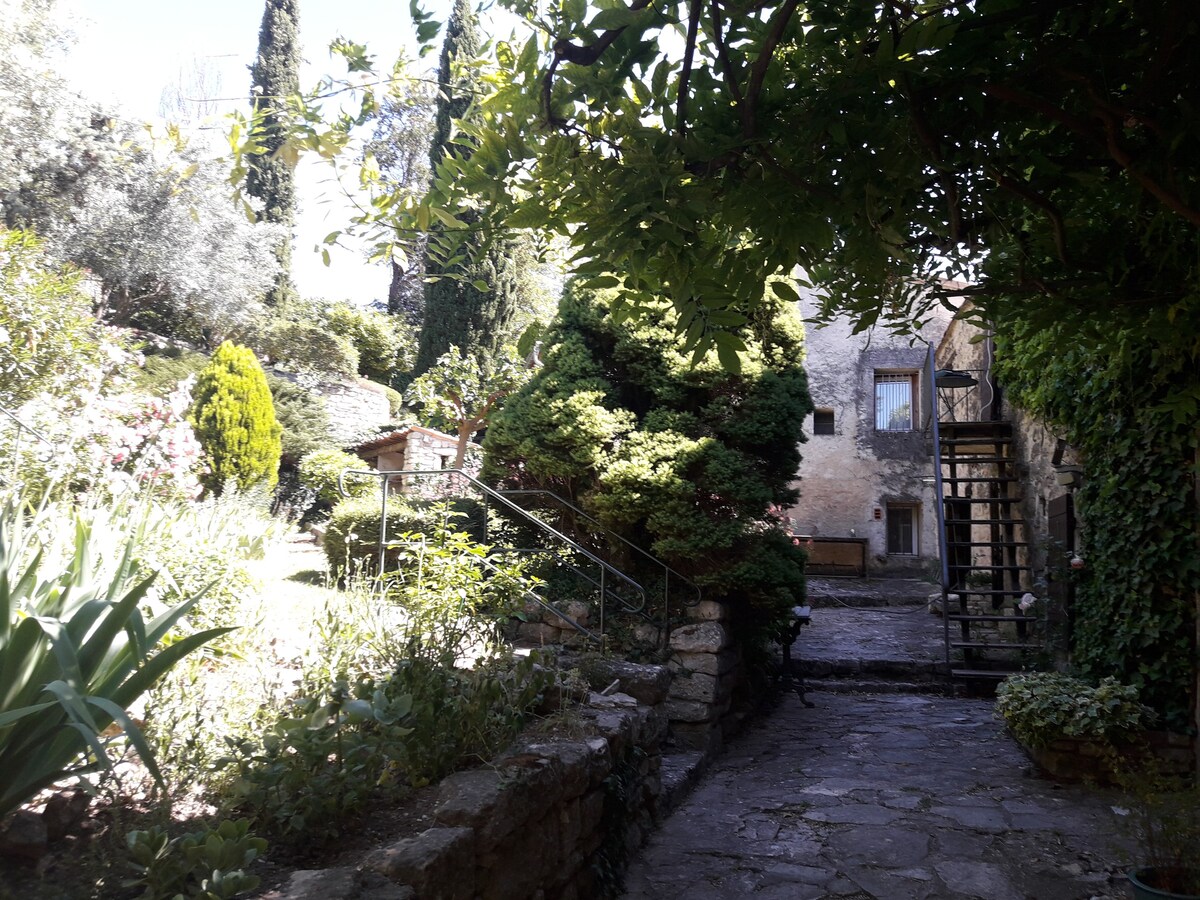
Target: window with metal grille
901,530
823,421
894,401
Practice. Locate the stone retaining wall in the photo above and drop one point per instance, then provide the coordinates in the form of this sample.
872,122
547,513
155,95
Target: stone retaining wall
1080,759
706,671
550,820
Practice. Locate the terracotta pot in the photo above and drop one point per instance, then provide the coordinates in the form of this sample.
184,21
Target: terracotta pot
1144,879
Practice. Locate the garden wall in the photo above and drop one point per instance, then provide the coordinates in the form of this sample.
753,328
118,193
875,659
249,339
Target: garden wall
704,663
553,819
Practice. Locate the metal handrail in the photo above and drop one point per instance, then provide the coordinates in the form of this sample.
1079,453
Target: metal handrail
21,426
606,569
939,495
668,571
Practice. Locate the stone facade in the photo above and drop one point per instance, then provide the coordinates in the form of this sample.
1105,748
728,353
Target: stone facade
853,471
419,449
553,819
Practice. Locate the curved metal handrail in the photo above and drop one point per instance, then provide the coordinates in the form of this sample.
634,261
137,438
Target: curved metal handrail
21,426
668,571
606,568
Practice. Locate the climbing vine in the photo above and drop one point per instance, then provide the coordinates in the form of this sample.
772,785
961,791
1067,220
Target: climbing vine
1127,408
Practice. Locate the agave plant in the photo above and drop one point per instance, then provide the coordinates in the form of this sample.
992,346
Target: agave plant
75,652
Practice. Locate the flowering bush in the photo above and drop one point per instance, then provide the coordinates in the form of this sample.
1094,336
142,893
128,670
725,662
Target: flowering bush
136,443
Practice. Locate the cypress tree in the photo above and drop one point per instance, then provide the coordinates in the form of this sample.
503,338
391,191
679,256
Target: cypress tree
456,311
234,419
274,76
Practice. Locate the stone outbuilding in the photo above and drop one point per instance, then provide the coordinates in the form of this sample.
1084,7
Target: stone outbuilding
416,448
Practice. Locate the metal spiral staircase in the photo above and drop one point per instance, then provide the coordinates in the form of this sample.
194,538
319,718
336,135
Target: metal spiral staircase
983,538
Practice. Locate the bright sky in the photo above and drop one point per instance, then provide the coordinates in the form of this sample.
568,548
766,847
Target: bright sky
127,51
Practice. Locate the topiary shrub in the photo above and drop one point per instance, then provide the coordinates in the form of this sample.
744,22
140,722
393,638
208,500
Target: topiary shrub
234,419
320,469
352,537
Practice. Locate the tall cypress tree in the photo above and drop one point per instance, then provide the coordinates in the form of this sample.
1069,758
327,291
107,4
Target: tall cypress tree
456,311
274,76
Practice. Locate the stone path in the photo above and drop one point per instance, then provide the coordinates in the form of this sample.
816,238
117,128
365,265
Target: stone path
887,796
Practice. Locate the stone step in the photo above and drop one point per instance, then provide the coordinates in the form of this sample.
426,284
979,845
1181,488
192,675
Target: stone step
872,669
873,686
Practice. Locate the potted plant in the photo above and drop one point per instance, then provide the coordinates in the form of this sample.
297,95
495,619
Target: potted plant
1164,818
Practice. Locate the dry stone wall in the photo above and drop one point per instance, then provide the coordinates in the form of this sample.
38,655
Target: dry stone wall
550,820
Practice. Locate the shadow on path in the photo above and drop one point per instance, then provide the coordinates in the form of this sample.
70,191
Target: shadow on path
881,796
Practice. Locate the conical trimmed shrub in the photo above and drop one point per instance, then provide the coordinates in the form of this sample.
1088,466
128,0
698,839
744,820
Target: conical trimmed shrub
234,419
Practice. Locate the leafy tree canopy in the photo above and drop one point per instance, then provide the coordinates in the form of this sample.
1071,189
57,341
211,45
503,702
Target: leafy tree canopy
1044,152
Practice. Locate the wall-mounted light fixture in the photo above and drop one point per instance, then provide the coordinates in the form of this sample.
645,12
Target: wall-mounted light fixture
954,378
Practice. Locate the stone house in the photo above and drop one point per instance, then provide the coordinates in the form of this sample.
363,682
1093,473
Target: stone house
866,498
416,448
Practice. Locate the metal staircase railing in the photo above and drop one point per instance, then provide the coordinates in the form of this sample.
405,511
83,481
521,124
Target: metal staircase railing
980,491
11,479
693,590
605,571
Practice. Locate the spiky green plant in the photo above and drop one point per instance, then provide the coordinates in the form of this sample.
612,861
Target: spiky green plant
75,652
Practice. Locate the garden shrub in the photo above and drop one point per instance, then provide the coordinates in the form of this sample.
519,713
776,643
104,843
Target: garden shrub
392,700
77,650
320,469
352,536
208,864
235,420
49,340
385,344
304,347
1041,707
302,415
683,457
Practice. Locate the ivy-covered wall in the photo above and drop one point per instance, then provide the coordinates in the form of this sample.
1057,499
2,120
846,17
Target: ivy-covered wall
1119,402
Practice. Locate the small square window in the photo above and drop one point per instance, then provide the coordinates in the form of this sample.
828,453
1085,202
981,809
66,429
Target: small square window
823,421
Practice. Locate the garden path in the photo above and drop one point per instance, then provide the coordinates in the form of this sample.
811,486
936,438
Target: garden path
888,796
884,789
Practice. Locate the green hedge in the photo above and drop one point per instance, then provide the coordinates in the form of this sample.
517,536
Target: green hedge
352,538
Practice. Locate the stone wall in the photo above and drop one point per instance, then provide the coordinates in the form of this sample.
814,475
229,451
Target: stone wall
357,409
705,666
551,820
707,672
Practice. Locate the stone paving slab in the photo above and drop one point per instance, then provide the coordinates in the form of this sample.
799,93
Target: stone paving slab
881,797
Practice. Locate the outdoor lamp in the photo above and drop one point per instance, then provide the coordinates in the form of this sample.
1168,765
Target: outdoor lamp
953,378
